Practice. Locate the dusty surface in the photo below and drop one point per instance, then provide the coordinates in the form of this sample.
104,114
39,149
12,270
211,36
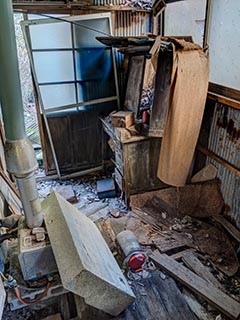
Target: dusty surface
156,225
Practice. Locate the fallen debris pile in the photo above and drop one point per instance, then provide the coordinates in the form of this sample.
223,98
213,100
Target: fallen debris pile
189,245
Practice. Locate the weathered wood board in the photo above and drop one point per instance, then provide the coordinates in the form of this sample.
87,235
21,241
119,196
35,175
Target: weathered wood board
134,84
193,263
214,296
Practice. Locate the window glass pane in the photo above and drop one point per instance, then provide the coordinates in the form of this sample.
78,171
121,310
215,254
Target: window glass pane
51,35
58,95
94,61
85,38
54,66
96,74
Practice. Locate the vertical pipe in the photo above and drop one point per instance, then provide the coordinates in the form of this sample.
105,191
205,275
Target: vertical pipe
10,90
19,153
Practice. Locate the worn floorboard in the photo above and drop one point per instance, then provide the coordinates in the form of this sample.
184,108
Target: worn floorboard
206,290
157,298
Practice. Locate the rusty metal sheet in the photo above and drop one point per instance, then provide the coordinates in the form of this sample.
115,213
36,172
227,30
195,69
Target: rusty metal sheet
224,141
128,23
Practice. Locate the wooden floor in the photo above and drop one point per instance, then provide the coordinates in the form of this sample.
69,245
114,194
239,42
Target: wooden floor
156,299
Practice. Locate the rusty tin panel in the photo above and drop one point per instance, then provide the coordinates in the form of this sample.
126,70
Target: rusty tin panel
224,141
131,23
128,23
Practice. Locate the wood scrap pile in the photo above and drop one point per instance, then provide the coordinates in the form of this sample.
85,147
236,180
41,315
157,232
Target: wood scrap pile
193,244
196,245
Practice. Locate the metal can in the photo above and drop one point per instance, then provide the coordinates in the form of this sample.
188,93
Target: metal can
135,257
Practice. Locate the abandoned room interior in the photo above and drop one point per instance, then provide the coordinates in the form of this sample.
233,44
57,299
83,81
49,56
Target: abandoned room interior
119,159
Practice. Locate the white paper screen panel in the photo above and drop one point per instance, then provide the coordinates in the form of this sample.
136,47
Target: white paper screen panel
58,95
186,18
224,43
51,36
54,66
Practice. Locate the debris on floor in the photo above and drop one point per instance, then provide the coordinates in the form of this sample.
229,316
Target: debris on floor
67,193
165,226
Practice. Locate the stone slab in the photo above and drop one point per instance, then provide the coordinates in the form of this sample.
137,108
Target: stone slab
85,262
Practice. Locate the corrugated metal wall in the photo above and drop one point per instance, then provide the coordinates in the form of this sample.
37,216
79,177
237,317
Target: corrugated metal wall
128,23
224,141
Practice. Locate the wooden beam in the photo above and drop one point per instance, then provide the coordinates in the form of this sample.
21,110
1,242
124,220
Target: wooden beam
227,101
214,296
223,162
73,8
224,91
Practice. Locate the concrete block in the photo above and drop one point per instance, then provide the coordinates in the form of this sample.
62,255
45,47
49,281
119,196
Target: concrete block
86,264
2,297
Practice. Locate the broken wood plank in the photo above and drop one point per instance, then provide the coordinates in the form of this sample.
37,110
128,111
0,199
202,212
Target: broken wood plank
168,245
228,226
196,307
214,296
209,172
179,255
193,263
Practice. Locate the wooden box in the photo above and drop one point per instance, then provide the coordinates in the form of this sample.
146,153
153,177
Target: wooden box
123,119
